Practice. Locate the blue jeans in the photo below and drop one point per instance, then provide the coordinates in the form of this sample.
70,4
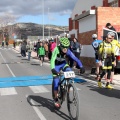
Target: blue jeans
29,55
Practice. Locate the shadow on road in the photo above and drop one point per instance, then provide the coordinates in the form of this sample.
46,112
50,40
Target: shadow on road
48,103
107,92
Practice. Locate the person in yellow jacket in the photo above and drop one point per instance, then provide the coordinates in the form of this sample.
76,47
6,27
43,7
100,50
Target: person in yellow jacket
115,44
106,55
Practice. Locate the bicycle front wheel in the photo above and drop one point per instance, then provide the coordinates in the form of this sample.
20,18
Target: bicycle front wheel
73,102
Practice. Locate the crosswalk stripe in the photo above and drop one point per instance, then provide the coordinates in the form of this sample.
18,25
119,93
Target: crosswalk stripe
35,89
8,91
39,89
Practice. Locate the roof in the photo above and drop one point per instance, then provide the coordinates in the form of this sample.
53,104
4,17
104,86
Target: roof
85,14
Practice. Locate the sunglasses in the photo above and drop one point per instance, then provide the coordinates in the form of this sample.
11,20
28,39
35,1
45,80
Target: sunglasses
109,38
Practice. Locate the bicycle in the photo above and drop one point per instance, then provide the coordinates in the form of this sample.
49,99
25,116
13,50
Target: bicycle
67,89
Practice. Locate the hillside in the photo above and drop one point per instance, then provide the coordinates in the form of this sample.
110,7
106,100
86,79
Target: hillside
22,30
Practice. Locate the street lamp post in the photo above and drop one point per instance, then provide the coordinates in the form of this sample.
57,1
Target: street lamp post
48,23
43,19
64,32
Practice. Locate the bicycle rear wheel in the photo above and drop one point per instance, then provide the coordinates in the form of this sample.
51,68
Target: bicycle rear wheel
73,102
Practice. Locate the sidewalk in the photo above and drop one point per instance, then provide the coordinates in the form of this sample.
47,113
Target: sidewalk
87,72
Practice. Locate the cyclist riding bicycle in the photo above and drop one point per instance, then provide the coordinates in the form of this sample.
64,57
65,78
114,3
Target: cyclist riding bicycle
58,63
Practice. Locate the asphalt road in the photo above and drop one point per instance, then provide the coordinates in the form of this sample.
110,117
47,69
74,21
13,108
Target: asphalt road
35,102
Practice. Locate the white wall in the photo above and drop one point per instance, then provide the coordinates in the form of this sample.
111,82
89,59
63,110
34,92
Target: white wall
87,51
87,24
73,31
110,1
85,5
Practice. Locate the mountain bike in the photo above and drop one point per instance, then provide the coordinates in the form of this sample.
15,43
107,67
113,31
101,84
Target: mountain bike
67,90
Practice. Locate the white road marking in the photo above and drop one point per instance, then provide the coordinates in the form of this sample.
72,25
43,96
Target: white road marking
7,66
40,115
39,89
8,91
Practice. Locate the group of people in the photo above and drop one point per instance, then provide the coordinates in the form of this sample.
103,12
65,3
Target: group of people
105,56
4,43
63,56
42,48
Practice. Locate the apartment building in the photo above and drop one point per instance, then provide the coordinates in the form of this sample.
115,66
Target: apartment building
89,17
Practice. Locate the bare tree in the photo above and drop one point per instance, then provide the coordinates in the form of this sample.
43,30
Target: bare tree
6,20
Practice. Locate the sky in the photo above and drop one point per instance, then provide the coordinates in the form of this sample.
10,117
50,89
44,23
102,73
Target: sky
56,12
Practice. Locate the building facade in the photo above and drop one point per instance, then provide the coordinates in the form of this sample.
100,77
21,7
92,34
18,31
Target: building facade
90,17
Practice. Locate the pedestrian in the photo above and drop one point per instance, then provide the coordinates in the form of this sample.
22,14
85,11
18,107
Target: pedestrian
3,43
14,44
115,44
41,53
70,60
95,45
110,27
76,49
23,48
29,50
37,46
51,46
46,48
106,55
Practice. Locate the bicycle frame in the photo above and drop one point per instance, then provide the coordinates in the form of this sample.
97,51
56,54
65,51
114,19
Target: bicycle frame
64,86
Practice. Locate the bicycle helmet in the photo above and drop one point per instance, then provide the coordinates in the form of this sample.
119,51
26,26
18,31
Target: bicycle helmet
94,36
64,42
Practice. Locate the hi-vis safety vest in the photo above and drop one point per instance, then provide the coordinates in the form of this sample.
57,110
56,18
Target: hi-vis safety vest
116,46
105,49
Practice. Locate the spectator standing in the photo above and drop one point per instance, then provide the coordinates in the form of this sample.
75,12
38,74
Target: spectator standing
29,50
106,55
109,26
14,44
3,43
51,46
37,46
70,60
46,48
115,44
23,49
41,53
76,48
95,45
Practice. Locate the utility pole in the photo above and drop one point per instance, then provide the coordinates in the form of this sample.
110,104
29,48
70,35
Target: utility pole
48,23
43,19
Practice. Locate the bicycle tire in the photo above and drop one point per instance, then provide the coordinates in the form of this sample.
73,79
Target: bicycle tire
74,100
